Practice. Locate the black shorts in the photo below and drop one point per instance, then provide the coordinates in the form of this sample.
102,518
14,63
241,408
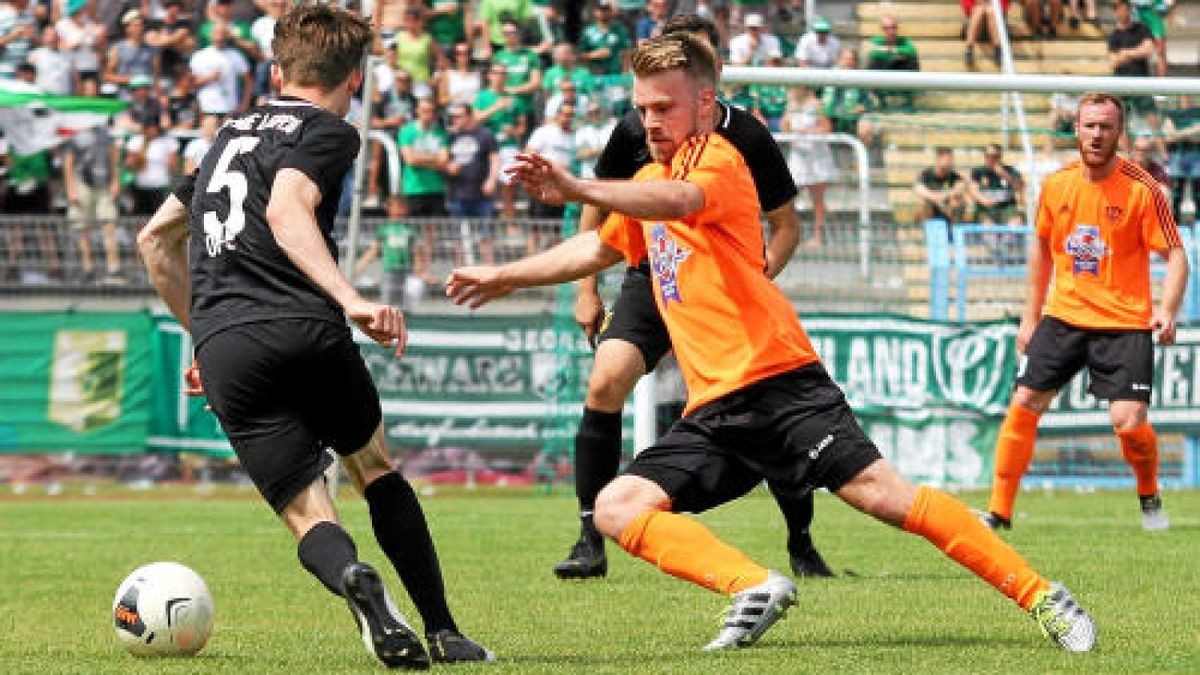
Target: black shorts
1120,362
284,391
635,319
426,205
795,430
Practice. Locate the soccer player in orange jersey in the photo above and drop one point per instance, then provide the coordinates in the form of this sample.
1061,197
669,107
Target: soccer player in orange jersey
760,404
1098,221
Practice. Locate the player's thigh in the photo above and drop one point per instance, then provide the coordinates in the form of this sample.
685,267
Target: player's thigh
635,319
1121,365
1054,354
246,376
338,394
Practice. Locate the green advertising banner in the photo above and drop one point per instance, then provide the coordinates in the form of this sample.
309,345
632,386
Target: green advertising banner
75,381
179,423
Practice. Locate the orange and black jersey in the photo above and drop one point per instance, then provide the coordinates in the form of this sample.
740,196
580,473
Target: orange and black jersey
1101,235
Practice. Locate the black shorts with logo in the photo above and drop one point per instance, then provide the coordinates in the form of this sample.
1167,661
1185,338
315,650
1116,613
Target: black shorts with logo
284,391
635,319
1119,362
794,430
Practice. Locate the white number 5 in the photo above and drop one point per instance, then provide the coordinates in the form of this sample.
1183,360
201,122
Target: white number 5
219,235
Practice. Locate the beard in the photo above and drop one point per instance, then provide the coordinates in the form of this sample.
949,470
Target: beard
1096,158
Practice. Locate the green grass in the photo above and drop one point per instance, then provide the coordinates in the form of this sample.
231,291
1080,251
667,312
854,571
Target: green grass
901,608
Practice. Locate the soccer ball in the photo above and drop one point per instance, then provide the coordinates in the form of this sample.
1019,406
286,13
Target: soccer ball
163,609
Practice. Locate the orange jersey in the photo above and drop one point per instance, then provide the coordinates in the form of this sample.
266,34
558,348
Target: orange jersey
729,324
1101,235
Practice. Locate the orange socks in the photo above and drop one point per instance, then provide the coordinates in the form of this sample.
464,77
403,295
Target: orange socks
1014,450
949,525
1140,447
682,547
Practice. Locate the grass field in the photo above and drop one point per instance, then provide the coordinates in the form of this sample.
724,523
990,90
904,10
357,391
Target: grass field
897,606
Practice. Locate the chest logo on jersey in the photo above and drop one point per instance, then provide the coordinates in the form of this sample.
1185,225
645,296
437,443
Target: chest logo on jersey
1086,248
665,257
1114,213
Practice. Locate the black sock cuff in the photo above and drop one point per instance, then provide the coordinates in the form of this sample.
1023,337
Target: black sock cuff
325,550
386,488
600,423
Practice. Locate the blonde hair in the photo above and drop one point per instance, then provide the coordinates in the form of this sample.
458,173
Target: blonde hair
676,51
319,45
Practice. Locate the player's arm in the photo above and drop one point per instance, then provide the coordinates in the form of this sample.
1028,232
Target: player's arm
291,214
1174,286
784,234
589,308
665,199
577,257
163,245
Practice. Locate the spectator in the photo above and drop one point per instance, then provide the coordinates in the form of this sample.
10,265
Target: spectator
82,36
818,48
810,161
446,22
498,111
240,37
222,75
55,68
786,19
568,93
131,56
566,65
892,51
263,33
1142,154
461,81
93,184
554,140
154,159
414,51
523,76
143,107
197,148
473,171
591,137
1043,24
26,191
18,34
425,150
174,36
1064,107
977,13
941,192
1182,131
546,32
1153,13
1130,46
603,42
769,102
997,190
755,46
492,15
1089,13
652,22
846,106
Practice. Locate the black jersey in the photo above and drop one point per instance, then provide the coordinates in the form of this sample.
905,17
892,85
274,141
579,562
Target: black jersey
239,272
626,152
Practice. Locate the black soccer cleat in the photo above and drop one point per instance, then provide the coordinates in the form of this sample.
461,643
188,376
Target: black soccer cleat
447,646
586,560
384,631
995,522
806,561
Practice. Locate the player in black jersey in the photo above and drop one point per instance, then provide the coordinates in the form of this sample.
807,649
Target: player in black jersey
633,338
244,257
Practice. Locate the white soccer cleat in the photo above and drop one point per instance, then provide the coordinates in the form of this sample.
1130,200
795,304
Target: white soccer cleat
753,611
1063,620
1154,519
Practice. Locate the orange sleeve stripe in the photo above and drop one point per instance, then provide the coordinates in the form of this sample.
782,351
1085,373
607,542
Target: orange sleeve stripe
1162,209
695,153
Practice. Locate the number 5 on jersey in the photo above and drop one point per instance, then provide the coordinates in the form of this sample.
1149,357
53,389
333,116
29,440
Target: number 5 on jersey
218,234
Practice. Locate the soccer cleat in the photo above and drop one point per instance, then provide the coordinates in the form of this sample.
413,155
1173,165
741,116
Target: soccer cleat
447,646
1063,620
585,561
806,561
994,522
1154,519
753,611
384,631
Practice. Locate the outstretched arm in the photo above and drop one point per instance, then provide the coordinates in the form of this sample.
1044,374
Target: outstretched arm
580,256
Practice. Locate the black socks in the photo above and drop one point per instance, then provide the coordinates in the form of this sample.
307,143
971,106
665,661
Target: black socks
597,455
325,551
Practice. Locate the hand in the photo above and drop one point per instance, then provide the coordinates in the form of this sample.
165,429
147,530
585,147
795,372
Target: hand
192,386
589,314
1025,334
489,188
476,285
1163,323
382,323
542,179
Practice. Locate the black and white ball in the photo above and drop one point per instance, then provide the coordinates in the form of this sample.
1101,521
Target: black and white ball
163,609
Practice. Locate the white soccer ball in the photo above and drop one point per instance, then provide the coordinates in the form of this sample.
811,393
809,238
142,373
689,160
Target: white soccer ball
163,609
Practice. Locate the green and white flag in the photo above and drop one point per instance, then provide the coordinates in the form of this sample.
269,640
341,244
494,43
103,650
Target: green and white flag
33,121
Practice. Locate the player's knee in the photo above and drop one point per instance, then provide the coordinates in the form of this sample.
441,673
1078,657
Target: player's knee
621,502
